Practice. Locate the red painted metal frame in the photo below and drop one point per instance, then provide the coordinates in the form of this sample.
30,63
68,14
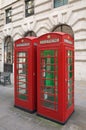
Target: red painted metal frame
65,42
31,103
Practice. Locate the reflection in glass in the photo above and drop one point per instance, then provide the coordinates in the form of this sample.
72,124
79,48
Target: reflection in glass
23,80
48,104
48,96
69,53
29,7
22,60
22,77
20,71
21,54
49,89
22,85
70,82
22,91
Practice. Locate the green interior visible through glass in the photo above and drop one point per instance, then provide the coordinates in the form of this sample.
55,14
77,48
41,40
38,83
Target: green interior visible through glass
49,77
22,75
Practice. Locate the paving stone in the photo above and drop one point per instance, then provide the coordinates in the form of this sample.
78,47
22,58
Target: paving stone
12,118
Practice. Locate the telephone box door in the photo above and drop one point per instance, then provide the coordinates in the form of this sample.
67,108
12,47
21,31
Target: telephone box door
22,77
48,82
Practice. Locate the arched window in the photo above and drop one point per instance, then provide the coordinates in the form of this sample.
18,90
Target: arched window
8,54
64,28
29,33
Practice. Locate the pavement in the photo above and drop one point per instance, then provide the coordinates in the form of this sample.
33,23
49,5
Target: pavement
12,118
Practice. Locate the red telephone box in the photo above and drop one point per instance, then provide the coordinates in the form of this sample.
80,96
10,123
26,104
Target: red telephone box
55,76
25,74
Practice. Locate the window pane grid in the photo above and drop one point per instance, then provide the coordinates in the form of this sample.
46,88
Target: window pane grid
22,77
70,71
49,78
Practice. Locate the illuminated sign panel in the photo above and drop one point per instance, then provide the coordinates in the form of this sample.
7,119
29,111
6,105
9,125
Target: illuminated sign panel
22,44
49,41
68,41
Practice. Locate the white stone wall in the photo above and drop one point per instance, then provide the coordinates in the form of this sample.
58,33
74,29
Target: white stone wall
44,20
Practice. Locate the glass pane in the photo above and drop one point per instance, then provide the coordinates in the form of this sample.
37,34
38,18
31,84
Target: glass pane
69,100
30,4
46,96
70,68
49,89
69,53
70,75
70,89
22,77
58,3
8,15
22,91
48,104
47,53
30,11
20,60
22,84
22,69
70,82
65,2
29,7
23,97
69,60
21,54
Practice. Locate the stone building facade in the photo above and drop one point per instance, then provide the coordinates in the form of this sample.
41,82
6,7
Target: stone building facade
47,16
